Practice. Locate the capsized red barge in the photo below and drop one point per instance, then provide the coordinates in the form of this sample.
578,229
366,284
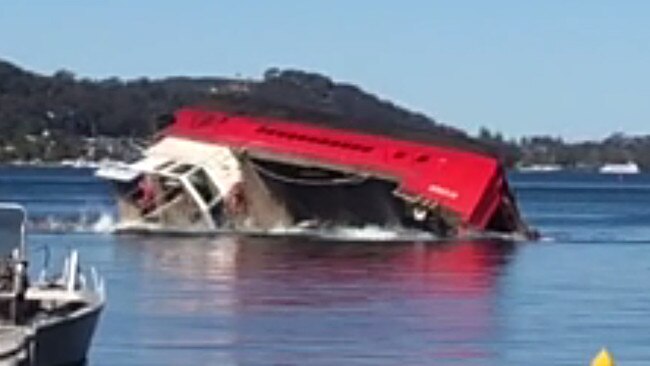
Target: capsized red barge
213,169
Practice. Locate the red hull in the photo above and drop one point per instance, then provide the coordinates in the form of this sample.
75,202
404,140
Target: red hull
471,185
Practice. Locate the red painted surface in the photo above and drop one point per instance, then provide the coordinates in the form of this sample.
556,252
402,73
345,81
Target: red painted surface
469,184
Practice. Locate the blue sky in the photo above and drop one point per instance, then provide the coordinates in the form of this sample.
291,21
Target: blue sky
572,68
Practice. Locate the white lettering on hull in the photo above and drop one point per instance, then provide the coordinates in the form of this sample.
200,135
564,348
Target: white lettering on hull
443,191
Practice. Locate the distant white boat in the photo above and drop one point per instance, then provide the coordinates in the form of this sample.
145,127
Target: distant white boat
540,168
627,168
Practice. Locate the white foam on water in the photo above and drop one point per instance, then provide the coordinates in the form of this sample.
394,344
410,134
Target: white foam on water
288,230
104,224
101,222
371,232
364,233
345,233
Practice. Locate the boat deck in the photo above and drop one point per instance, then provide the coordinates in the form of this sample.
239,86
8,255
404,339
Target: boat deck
14,345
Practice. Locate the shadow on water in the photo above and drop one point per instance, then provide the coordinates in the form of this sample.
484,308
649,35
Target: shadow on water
286,300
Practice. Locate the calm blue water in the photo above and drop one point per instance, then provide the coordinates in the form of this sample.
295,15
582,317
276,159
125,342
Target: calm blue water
238,301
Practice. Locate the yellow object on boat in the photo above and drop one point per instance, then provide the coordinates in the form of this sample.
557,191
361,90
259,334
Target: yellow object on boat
603,358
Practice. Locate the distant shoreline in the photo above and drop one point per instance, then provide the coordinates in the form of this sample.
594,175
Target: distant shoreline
53,164
94,165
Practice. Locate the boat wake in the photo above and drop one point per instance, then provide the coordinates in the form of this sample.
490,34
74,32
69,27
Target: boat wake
369,233
365,234
99,222
105,223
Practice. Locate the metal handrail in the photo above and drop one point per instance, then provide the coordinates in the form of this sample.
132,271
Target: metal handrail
160,201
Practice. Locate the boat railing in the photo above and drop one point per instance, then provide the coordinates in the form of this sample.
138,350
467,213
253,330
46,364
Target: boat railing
161,196
166,200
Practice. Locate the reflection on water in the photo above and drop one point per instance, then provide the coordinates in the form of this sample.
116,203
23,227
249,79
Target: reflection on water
293,301
261,301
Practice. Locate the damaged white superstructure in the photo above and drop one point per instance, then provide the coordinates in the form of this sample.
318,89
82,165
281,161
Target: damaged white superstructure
183,185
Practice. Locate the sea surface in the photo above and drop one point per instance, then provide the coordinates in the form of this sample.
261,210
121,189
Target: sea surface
363,299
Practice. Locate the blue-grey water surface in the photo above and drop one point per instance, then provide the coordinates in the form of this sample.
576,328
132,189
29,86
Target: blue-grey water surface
289,301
